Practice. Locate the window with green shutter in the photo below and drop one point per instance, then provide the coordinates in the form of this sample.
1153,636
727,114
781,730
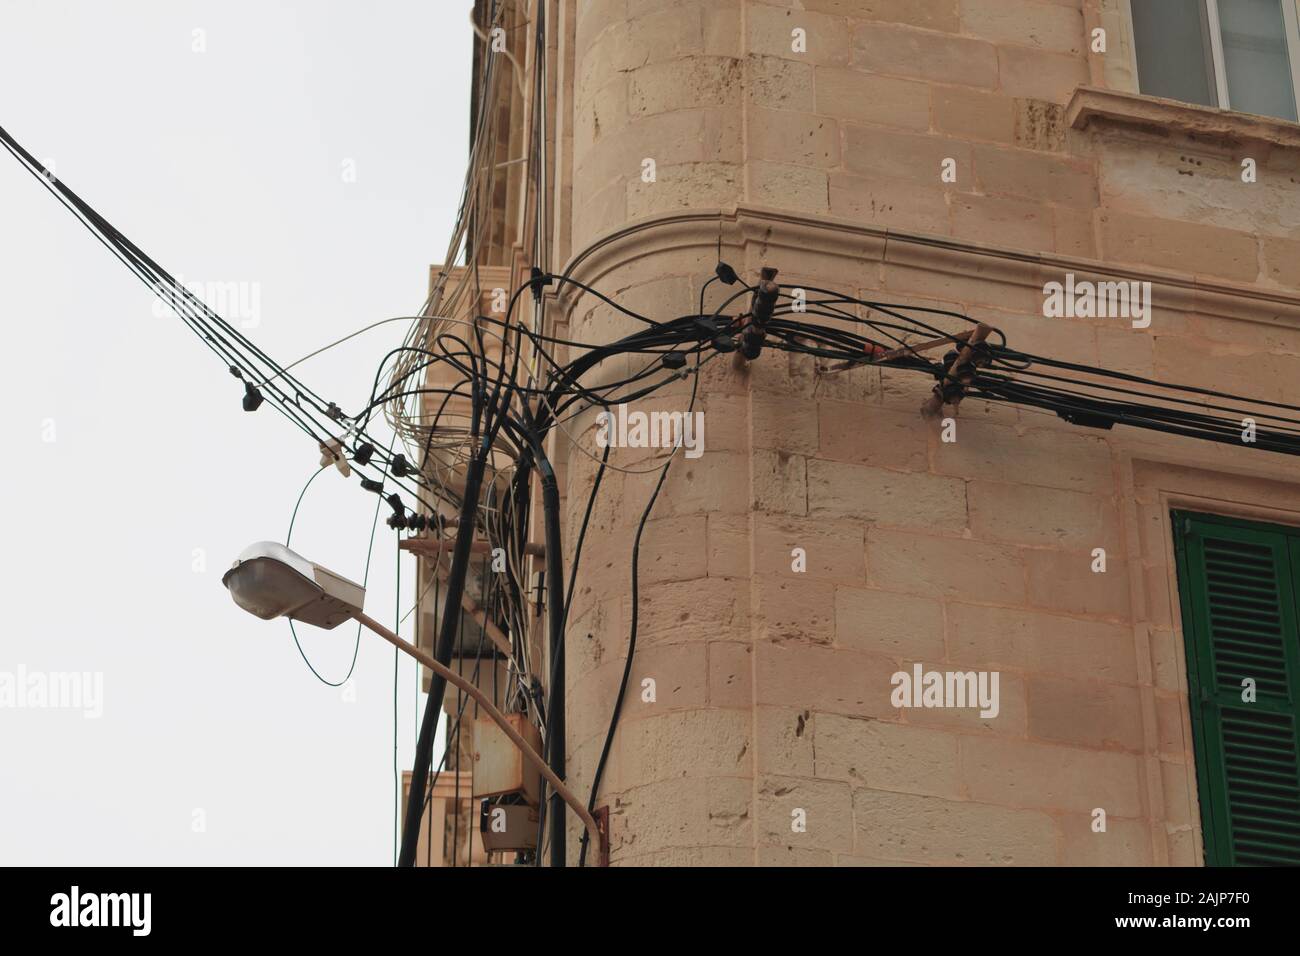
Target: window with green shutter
1239,584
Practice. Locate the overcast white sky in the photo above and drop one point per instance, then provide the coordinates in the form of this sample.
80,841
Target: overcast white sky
225,166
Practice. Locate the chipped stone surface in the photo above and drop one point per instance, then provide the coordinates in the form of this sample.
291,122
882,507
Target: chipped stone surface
774,685
1040,125
923,829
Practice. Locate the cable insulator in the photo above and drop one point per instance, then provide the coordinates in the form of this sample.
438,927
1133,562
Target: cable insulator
760,312
331,453
537,280
252,397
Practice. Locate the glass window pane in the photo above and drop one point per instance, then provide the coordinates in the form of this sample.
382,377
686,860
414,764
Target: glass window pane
1255,57
1173,50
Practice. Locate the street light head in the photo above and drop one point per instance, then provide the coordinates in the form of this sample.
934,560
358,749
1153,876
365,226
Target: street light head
269,580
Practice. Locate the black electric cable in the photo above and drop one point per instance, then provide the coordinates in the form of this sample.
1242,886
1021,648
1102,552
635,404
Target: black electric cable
442,653
1084,395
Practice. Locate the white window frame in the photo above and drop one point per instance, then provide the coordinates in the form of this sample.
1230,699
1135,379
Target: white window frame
1290,22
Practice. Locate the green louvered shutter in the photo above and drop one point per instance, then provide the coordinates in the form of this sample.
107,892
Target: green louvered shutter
1238,585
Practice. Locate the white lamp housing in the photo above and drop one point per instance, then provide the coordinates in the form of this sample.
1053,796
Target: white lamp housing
269,580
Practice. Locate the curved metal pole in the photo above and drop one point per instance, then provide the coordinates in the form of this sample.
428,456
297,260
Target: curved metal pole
531,755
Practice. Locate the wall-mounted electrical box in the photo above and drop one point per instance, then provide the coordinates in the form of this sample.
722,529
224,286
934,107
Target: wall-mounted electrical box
499,767
507,826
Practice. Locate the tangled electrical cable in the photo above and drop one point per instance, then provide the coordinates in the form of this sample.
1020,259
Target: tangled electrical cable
263,379
475,400
1081,394
858,332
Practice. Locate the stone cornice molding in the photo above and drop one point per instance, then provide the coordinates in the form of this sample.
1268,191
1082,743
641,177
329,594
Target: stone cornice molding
749,225
1161,117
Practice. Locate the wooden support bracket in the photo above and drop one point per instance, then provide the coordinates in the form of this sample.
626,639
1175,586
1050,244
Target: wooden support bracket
760,313
875,354
471,607
961,374
430,547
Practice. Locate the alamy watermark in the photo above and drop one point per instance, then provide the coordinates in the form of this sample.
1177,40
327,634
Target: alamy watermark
922,688
236,302
53,690
75,908
623,429
1098,300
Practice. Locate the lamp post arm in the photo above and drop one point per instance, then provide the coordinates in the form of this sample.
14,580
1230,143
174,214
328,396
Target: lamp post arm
531,755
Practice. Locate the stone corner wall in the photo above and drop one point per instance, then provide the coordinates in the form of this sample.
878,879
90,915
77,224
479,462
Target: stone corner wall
773,686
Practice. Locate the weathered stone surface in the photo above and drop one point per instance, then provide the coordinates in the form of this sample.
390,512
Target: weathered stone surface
773,683
924,829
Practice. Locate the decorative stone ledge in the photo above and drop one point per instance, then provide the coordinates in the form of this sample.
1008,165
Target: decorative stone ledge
855,244
1160,117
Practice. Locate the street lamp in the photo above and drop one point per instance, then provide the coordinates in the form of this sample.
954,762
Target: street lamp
271,581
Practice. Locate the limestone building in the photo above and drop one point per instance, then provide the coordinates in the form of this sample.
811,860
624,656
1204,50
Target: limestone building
1122,583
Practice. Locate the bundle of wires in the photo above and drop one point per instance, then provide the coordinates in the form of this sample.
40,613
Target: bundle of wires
264,380
1082,394
475,400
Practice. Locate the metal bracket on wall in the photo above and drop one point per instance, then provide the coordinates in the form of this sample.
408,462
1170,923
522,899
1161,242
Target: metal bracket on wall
601,815
875,354
960,372
760,313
